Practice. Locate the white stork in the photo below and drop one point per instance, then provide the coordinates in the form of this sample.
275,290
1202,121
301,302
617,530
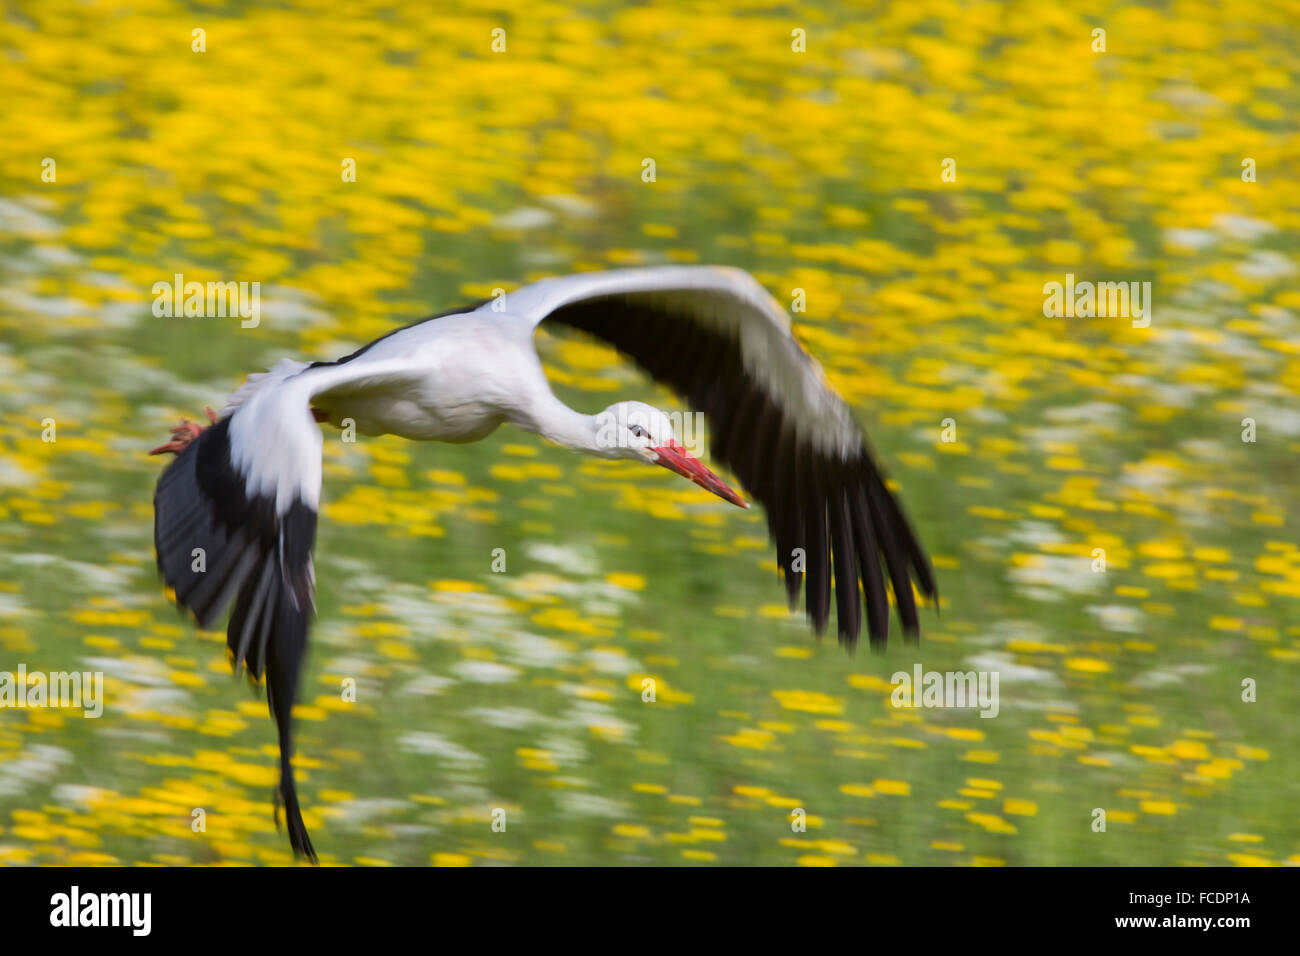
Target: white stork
247,489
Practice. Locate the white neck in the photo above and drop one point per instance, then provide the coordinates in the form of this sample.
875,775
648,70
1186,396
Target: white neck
557,422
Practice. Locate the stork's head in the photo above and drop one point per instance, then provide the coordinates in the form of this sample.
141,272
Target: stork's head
640,431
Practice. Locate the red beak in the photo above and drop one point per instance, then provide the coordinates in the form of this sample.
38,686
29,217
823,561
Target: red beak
675,458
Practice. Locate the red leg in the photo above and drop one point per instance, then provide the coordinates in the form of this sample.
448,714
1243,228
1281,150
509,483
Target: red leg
183,434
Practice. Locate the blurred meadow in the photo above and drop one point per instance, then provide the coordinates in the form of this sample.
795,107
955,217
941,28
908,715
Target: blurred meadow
817,170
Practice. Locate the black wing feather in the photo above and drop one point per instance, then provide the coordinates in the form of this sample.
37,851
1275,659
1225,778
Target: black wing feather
250,551
833,505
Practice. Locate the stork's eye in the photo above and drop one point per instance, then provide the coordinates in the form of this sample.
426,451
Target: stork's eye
638,431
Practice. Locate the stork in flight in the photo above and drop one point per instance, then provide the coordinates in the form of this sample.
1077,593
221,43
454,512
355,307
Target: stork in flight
247,489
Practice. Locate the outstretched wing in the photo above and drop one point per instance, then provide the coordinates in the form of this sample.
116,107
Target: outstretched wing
717,338
235,516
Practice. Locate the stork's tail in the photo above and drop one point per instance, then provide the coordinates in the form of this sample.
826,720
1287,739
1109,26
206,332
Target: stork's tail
260,381
219,535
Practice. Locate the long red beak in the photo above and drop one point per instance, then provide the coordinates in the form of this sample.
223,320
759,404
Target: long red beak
675,458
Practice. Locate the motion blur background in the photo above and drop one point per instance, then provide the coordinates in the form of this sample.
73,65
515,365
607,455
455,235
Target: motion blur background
818,171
